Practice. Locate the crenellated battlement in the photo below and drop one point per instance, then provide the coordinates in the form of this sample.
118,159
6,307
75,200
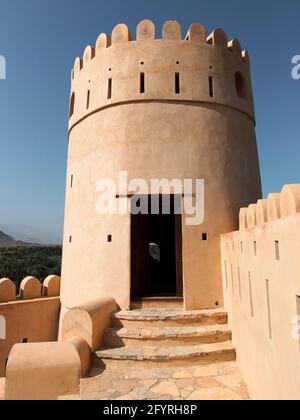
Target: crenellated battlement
276,206
31,288
199,68
146,31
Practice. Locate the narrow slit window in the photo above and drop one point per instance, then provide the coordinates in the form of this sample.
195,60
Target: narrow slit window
240,86
72,179
70,239
240,285
226,276
251,295
211,86
109,89
204,237
88,97
177,83
277,252
269,308
242,247
72,105
232,280
255,248
142,83
109,239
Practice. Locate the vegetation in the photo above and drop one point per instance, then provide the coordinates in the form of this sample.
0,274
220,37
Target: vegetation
16,263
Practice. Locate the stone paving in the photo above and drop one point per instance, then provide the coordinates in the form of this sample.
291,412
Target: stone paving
220,381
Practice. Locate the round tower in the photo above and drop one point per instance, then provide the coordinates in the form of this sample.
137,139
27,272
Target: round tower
170,108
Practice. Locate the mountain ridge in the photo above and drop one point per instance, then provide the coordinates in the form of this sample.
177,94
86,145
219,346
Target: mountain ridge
8,241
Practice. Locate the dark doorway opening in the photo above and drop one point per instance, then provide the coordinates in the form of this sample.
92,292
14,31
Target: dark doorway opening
156,249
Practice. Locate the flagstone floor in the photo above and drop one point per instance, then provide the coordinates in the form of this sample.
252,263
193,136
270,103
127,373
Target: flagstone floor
220,381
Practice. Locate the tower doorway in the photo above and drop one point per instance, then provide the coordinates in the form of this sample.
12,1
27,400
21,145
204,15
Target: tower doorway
156,250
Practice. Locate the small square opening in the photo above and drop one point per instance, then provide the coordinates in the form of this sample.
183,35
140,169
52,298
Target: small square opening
204,237
25,340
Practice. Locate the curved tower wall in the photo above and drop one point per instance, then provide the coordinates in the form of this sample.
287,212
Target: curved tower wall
206,131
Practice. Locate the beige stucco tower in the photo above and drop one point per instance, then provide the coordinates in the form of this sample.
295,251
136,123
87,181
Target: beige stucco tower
157,108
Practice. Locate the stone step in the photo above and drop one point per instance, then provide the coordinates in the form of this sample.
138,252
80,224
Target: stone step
184,336
171,356
75,397
157,318
161,303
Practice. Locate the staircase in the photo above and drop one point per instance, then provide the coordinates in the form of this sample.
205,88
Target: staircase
165,335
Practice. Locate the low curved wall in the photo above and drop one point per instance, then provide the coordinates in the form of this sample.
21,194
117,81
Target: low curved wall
42,371
89,321
45,371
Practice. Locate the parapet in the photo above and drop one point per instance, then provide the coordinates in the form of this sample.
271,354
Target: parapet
42,371
51,286
7,291
277,206
31,288
121,69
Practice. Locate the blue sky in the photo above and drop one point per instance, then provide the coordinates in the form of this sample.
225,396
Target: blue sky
40,40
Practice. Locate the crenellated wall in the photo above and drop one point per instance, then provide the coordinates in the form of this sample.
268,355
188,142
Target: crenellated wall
207,67
31,317
261,281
